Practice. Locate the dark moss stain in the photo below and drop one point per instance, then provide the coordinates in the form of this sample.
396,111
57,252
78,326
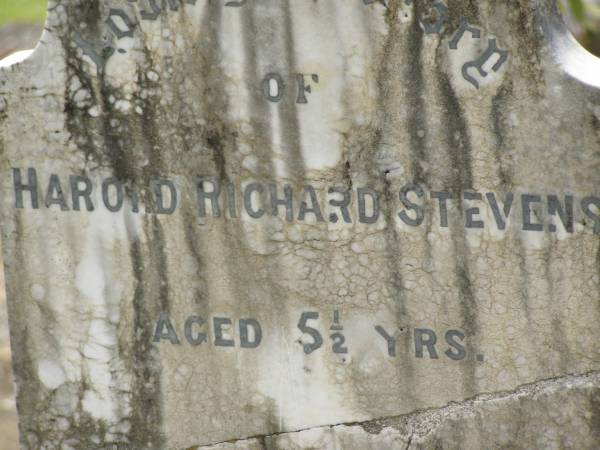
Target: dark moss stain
191,239
252,24
498,119
374,427
214,142
360,142
117,144
81,428
216,135
110,147
288,112
260,124
461,8
458,179
468,302
24,365
145,133
524,282
146,401
393,251
3,116
104,144
594,421
262,440
220,137
595,122
598,267
559,337
38,397
24,368
469,309
347,175
530,42
78,120
415,94
460,175
158,256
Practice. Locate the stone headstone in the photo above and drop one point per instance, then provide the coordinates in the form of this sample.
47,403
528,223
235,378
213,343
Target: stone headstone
303,224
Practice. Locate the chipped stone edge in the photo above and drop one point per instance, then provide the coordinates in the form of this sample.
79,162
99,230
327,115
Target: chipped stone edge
572,58
421,423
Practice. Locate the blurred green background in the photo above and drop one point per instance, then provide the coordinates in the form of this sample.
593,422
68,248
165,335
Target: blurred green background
583,17
22,11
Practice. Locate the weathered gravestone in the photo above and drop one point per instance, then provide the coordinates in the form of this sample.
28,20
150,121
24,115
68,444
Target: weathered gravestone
233,220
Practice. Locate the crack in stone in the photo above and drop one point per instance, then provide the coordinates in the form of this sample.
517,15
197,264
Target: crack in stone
410,438
421,423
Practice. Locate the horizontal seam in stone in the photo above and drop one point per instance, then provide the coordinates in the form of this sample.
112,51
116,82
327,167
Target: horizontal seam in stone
464,407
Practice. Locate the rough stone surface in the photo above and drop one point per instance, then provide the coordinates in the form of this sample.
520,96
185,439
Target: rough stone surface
231,220
527,418
8,413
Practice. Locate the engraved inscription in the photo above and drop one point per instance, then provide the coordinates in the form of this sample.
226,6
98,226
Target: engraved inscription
432,19
248,333
274,86
477,64
219,199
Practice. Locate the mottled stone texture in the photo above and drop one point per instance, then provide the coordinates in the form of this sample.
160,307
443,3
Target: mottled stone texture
472,126
556,414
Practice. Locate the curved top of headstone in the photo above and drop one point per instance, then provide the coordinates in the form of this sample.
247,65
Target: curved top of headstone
110,22
224,219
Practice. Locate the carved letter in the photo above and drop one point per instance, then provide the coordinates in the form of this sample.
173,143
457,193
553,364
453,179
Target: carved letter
128,32
303,88
275,98
118,194
464,26
212,195
479,62
77,192
170,334
151,15
565,214
389,339
55,195
161,208
286,201
98,58
200,337
342,204
32,187
245,341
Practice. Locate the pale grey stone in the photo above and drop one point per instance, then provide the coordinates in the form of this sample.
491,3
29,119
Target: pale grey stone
274,315
561,413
